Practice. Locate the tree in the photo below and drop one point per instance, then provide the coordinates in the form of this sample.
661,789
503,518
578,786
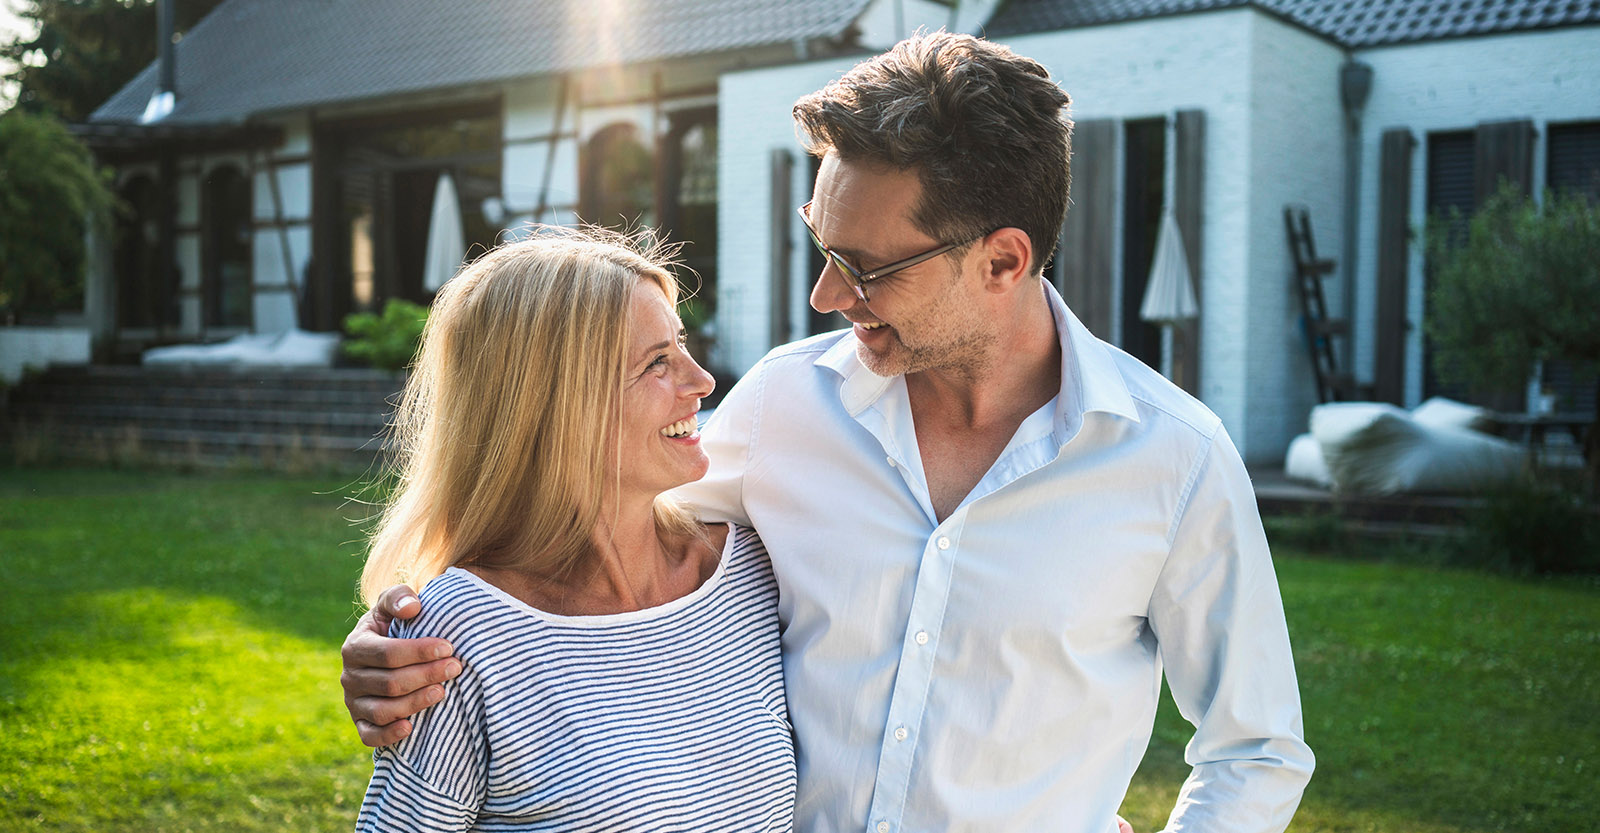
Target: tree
86,50
49,194
1520,285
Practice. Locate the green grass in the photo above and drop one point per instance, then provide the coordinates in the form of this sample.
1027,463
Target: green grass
168,662
168,653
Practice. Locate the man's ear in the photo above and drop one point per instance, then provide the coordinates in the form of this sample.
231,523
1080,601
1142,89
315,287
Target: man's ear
1008,254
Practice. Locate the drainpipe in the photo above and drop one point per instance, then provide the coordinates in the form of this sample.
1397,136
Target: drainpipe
1355,84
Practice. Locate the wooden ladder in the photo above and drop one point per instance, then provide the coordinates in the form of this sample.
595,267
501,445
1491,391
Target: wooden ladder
1320,330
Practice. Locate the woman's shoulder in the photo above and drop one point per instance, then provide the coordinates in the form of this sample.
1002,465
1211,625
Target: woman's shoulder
449,602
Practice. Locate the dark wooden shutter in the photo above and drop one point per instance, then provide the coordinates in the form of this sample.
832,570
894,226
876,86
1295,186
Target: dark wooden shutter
1574,167
1452,186
1085,265
781,209
1503,152
1188,200
1394,239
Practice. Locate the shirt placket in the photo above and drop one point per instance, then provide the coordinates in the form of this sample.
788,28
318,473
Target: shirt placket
909,699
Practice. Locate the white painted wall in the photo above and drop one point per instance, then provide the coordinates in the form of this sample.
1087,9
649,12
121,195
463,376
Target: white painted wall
39,347
1297,155
753,120
278,284
1548,76
883,23
530,113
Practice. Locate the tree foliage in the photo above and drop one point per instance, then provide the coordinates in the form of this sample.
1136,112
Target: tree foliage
86,50
1521,284
50,192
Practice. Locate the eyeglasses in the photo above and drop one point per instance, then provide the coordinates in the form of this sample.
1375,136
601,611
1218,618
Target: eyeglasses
858,279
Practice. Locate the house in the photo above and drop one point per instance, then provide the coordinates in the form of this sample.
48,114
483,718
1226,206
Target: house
288,179
291,181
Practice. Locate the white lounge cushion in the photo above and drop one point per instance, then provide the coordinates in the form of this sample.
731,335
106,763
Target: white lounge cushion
1304,462
1373,448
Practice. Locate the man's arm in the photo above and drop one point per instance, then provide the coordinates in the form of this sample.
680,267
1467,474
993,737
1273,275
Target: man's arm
719,496
1218,619
388,680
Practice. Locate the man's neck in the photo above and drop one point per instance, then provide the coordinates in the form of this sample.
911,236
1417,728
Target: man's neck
965,417
1017,373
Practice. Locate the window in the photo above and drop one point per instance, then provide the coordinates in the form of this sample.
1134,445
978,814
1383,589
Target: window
227,232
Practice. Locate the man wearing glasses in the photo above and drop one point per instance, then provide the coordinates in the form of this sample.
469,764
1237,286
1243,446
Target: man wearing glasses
991,531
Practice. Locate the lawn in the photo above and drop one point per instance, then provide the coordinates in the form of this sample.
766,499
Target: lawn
168,662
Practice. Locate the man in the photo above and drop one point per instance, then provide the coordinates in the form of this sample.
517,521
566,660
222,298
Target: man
991,531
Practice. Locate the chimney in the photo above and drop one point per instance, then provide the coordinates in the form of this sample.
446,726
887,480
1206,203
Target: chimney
165,98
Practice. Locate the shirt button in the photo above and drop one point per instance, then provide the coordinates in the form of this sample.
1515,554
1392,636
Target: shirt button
891,461
901,733
921,637
943,542
883,827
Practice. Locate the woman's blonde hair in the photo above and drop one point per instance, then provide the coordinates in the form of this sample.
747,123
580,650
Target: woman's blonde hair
501,439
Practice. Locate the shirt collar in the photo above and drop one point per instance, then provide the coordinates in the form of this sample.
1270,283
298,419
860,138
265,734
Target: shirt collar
1090,379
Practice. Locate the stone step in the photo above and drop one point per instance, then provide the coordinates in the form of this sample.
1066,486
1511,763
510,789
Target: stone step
360,422
202,416
213,397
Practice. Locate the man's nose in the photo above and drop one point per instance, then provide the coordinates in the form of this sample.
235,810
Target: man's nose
832,292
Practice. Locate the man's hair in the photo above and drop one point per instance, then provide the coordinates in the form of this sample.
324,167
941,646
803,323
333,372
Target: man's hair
985,129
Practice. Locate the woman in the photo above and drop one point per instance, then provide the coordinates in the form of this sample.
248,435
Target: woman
620,660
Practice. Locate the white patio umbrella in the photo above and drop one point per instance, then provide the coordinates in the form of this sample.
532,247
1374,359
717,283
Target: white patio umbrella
1169,295
446,240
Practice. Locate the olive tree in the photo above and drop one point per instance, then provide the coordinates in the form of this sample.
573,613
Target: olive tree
1518,283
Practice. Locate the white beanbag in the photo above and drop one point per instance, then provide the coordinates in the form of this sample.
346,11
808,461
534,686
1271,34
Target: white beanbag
1372,448
1305,462
1439,412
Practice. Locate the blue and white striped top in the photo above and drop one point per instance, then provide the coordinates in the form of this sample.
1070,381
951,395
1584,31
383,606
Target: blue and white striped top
664,719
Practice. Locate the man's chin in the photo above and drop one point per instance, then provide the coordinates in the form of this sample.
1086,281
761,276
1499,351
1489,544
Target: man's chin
888,363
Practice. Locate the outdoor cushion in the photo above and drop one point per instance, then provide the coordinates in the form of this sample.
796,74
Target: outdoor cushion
1373,448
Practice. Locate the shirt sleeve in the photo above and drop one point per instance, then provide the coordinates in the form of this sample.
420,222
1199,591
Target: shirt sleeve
436,779
728,438
1218,618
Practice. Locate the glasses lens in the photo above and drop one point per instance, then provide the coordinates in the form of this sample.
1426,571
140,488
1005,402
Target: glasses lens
850,272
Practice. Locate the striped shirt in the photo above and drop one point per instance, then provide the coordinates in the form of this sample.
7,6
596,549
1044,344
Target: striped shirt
664,719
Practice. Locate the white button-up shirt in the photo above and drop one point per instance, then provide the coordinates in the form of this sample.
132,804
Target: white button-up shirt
999,670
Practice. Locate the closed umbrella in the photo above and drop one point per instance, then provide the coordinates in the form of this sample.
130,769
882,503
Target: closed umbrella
446,240
1169,295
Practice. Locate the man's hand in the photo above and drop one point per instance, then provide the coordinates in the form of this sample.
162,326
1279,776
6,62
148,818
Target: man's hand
1123,826
388,680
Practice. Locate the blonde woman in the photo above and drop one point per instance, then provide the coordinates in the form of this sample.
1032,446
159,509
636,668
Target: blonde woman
620,666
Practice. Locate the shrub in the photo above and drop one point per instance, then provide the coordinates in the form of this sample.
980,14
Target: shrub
388,341
50,193
1535,526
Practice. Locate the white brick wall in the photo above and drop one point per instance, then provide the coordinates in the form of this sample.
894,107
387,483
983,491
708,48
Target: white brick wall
1548,76
1296,156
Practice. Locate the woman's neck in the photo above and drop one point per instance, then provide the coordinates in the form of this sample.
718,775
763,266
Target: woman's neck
631,565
